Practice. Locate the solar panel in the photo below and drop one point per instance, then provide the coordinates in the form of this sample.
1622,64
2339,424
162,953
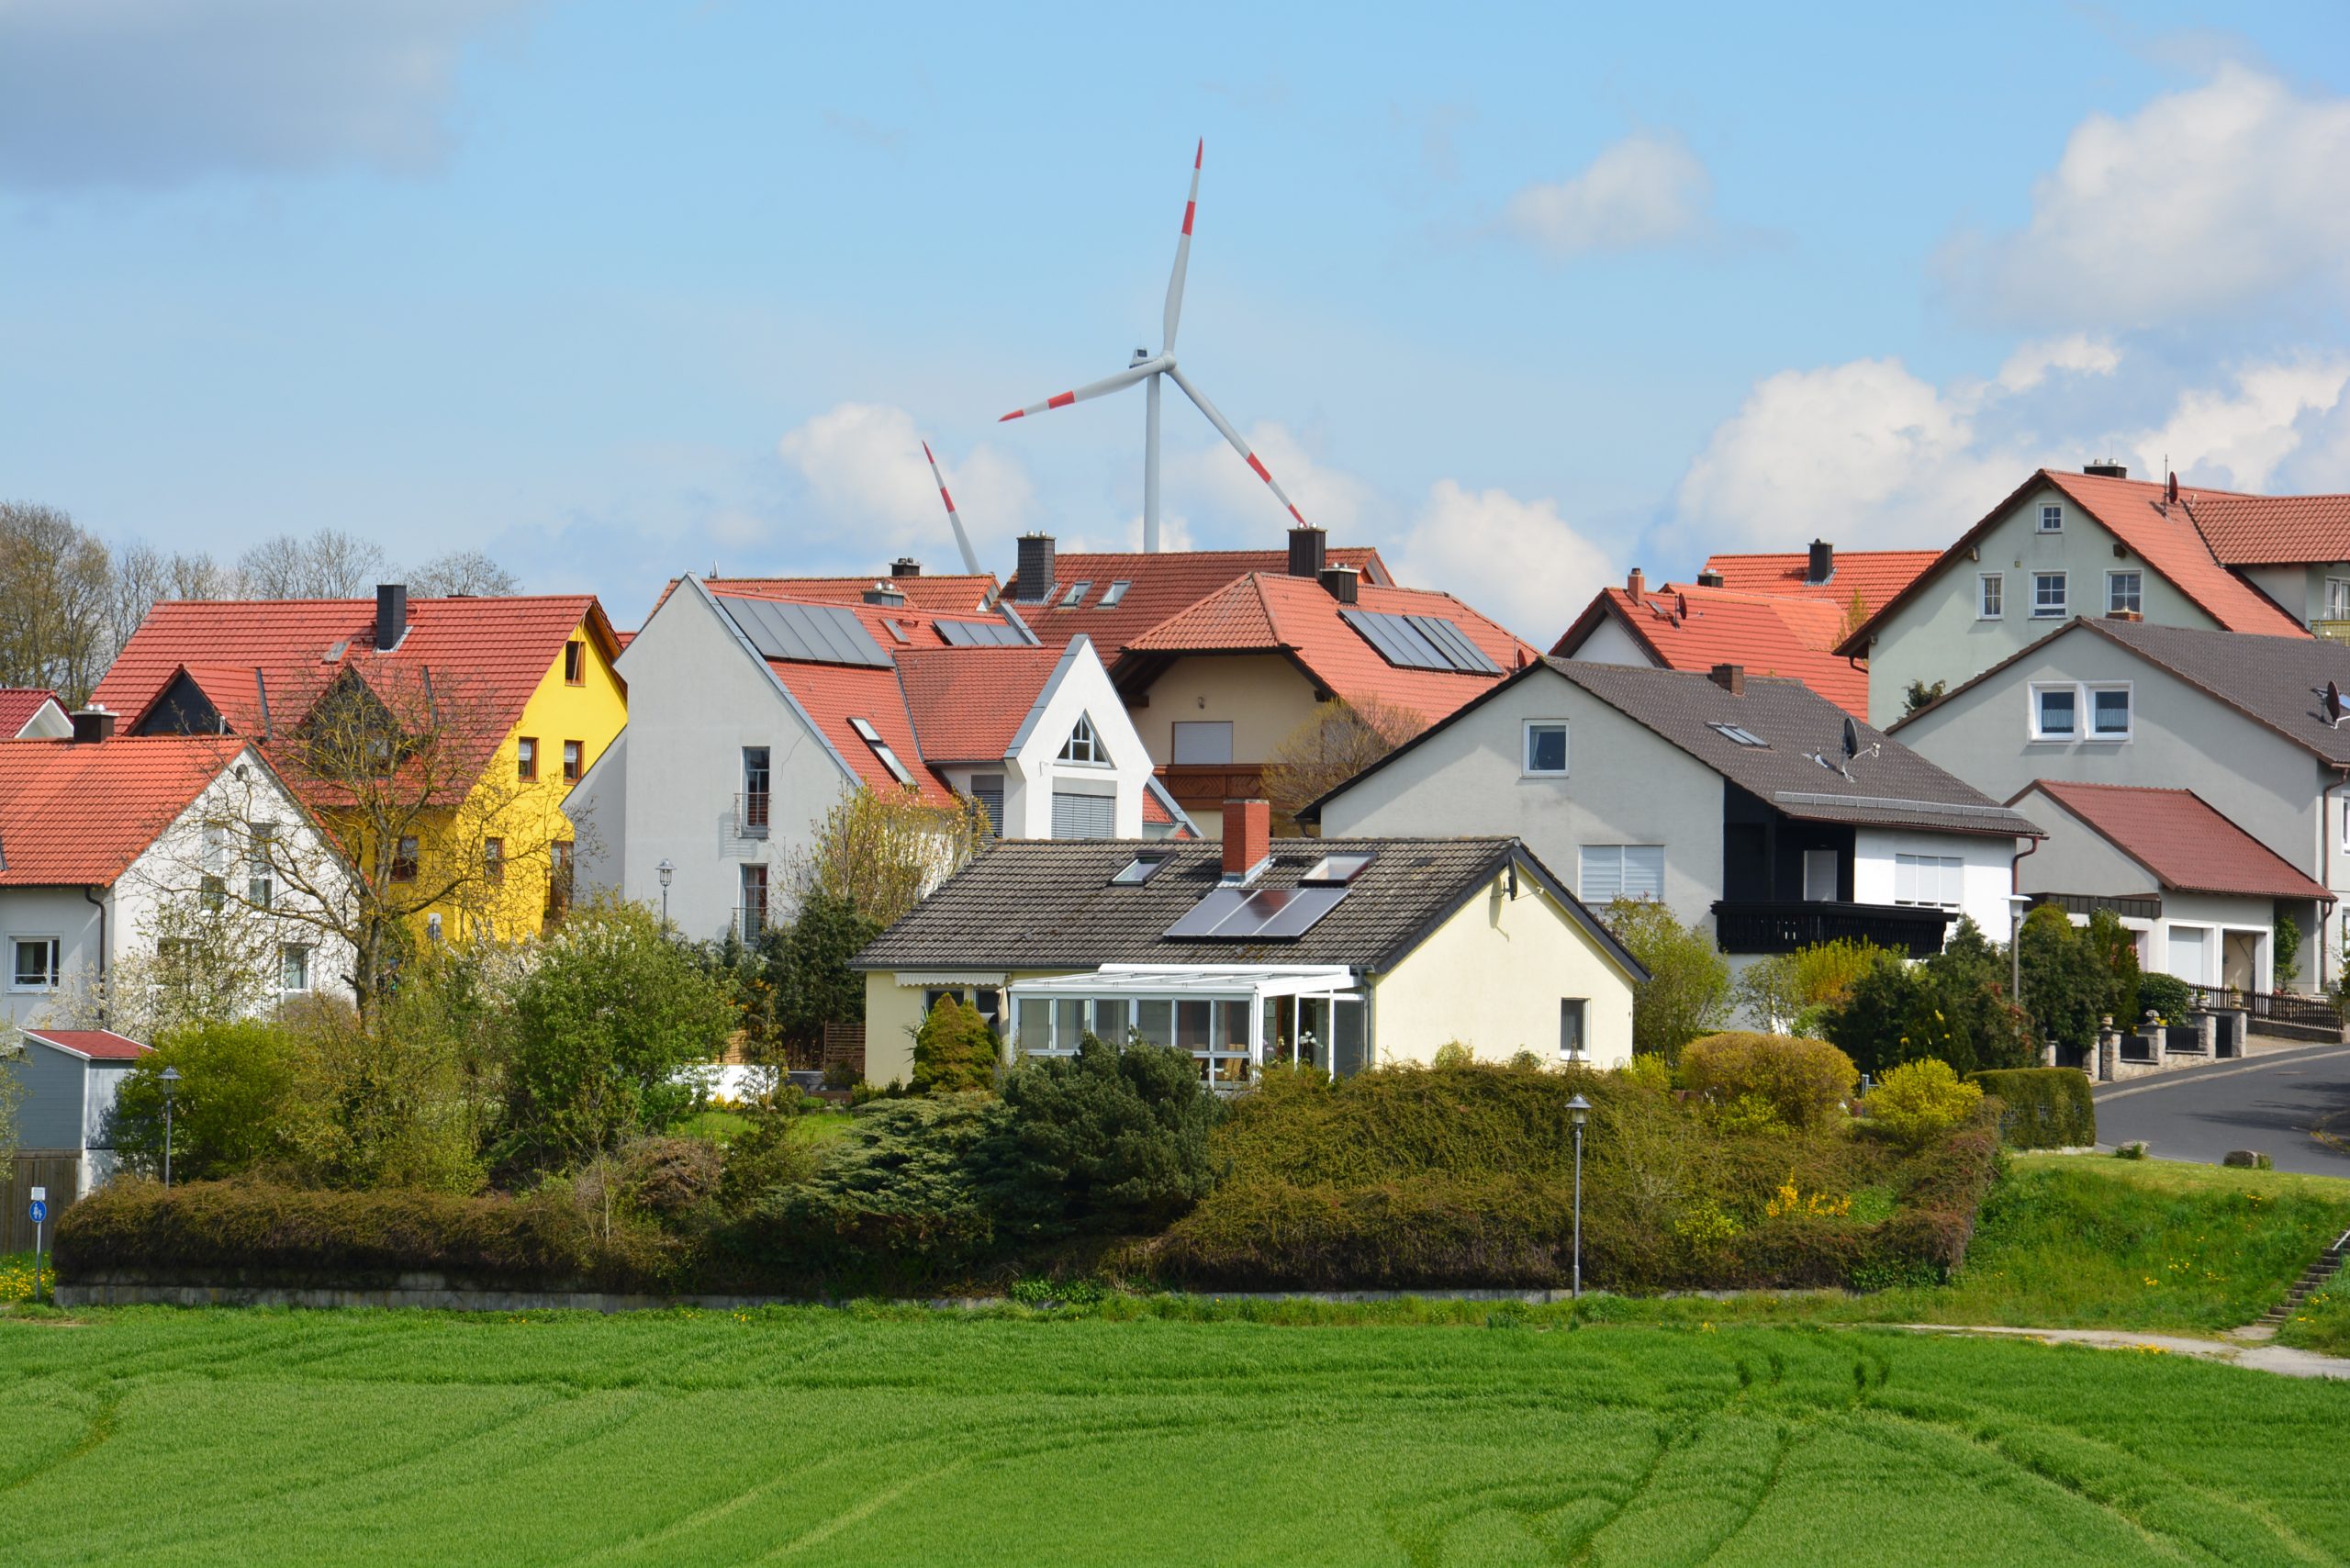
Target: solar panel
1419,642
981,633
1238,914
814,633
1454,644
1296,916
1204,917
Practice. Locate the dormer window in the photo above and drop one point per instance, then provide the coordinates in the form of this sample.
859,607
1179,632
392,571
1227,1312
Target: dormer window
1114,592
1076,594
2051,518
1083,745
1138,870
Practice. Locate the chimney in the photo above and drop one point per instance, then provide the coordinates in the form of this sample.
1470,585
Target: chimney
92,725
391,615
1709,579
1035,568
2106,470
905,566
885,595
1247,838
1341,581
1823,562
1306,543
1729,677
1636,582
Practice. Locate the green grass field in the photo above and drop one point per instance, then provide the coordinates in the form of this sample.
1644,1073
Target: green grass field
826,1436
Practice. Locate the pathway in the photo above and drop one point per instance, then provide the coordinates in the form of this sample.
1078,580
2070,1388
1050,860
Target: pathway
2241,1349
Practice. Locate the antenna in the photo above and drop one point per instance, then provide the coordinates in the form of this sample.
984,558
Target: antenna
1852,752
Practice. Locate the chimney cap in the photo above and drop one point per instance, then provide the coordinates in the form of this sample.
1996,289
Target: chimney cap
905,566
2106,470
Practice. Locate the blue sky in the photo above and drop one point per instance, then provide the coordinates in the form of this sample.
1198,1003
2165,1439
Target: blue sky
1523,297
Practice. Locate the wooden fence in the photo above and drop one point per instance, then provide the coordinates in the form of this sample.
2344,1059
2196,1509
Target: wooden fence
60,1173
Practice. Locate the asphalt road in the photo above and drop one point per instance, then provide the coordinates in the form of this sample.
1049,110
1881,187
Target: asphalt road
2267,1102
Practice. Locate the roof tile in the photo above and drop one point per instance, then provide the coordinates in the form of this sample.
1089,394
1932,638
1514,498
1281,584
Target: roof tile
1874,575
17,706
2183,839
1689,628
1158,586
78,815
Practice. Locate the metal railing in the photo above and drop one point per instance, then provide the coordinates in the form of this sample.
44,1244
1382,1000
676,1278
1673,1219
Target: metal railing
751,814
1785,926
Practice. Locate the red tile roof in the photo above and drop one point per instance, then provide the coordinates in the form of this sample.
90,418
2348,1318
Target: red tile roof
78,815
2183,840
17,706
1157,588
969,703
2253,530
1274,612
1876,575
834,694
953,595
98,1045
1690,628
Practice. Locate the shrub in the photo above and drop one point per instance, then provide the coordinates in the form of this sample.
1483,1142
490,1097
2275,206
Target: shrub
1688,992
1452,1053
2288,948
2075,975
762,1158
1648,1072
1920,1101
1952,1007
898,1183
1109,1139
239,1106
2170,999
2041,1107
1778,990
954,1051
1805,1081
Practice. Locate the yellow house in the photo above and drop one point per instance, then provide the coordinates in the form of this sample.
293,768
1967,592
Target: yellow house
500,705
1338,953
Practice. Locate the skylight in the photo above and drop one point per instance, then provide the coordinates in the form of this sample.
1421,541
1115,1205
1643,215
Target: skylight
1138,870
1740,734
1339,870
1076,592
872,737
898,632
1113,593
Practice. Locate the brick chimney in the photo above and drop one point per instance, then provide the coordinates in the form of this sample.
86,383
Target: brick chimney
391,615
1306,547
1636,582
92,725
1035,567
1247,838
1729,677
905,566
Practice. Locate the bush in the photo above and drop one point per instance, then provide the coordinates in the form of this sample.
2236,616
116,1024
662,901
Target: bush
2041,1107
2169,997
1688,992
1920,1101
1779,989
1805,1083
954,1051
1648,1072
1107,1140
1952,1007
2075,975
239,1107
898,1183
2287,949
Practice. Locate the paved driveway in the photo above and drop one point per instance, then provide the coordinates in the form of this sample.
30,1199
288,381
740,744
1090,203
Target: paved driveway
2268,1102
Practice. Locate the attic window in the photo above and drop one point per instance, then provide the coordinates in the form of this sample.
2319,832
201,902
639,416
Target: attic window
1075,593
334,654
1740,734
1113,593
574,663
1336,869
872,737
898,633
1083,745
1138,870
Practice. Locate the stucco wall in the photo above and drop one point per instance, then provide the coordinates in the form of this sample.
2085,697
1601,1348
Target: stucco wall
1939,636
1030,778
1983,879
60,912
1262,696
1492,977
1610,644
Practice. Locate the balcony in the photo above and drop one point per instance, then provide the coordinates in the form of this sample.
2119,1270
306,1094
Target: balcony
751,815
2333,631
1782,927
1207,784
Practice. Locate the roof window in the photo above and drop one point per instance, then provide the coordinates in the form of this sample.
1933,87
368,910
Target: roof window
1113,593
1075,593
1740,734
1138,870
872,737
898,632
1338,869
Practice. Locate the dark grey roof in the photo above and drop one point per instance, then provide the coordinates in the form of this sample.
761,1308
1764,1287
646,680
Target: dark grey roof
1047,903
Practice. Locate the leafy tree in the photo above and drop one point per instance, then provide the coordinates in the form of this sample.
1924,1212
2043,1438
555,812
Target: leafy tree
816,986
597,1031
1952,1007
12,1085
2287,949
240,1105
397,1100
1921,696
1688,989
954,1050
1781,989
879,852
1971,978
2069,978
56,582
1337,741
1106,1140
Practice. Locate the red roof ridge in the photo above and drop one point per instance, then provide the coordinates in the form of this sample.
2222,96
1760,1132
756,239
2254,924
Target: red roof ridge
2204,855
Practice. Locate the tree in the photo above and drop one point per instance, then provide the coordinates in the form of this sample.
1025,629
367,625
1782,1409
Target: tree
1778,991
144,577
1688,989
1337,741
1920,695
462,572
954,1050
56,587
2071,979
1110,1139
2288,949
237,1107
12,1085
879,852
329,565
817,986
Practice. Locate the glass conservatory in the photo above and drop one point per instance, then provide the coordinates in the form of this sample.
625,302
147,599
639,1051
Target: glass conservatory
1233,1019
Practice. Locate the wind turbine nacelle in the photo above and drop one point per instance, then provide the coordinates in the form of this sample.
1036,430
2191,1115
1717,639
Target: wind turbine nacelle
1140,355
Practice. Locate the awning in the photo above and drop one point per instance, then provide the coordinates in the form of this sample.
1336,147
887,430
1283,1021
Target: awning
1196,979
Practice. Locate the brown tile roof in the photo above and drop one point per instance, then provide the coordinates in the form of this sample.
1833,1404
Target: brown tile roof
17,706
2253,530
78,815
1874,575
1046,903
2180,837
98,1045
1690,628
1157,588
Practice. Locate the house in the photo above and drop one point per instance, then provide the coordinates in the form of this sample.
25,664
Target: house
753,714
2099,542
123,853
71,1078
1728,796
958,595
1337,953
1823,574
2202,894
513,699
29,714
2238,719
1220,655
1695,627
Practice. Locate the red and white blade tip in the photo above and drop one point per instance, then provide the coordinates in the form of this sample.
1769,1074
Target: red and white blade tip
1199,155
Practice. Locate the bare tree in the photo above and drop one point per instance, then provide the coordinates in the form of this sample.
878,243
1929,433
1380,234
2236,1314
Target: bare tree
462,572
56,586
145,575
1337,740
328,565
879,852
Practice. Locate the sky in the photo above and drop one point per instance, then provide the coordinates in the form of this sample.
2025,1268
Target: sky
1523,297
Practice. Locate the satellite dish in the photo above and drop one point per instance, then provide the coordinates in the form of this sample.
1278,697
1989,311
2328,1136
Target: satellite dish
2333,705
1851,740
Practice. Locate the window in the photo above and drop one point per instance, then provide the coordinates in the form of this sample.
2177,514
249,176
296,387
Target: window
753,916
872,737
1085,816
1203,742
1138,870
2122,591
1082,745
1113,593
260,876
570,761
2337,598
987,789
1612,871
33,964
526,758
1339,869
558,878
1928,879
755,791
2051,518
2047,594
2110,712
1990,597
1821,877
1740,734
493,859
1573,1012
293,968
404,859
212,893
2055,713
1076,594
574,663
1546,748
898,634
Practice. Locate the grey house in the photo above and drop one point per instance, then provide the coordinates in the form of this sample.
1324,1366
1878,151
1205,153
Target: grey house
2238,719
71,1078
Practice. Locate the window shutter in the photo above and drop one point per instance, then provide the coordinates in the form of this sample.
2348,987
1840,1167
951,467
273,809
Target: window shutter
1904,879
987,789
1085,816
1954,879
1603,873
1644,871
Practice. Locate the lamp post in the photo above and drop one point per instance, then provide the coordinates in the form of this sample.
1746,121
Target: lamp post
1579,1111
667,872
171,1087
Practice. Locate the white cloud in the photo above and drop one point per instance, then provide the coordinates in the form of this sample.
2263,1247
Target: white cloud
2239,437
2077,352
2221,195
862,466
153,91
1217,482
1645,191
1517,561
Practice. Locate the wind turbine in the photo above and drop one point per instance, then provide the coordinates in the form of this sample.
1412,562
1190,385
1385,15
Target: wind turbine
962,540
1147,367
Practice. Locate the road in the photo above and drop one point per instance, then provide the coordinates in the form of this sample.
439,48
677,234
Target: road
2268,1102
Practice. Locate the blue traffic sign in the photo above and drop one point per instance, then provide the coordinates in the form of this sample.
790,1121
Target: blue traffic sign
40,1212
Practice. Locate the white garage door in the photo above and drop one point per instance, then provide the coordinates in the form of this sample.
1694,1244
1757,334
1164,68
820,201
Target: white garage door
2189,953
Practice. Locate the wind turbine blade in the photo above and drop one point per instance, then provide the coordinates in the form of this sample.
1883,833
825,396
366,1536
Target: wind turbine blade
1182,257
962,540
1117,383
1224,427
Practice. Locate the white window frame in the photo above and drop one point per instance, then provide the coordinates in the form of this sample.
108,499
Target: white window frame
1947,873
2033,694
2337,604
1094,755
56,964
2137,591
2052,517
2064,596
1575,1028
2085,706
309,959
1526,769
1991,596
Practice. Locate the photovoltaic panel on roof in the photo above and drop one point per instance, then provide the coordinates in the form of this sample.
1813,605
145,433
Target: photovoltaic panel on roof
1298,913
1455,645
1204,917
981,633
814,633
1419,642
1272,914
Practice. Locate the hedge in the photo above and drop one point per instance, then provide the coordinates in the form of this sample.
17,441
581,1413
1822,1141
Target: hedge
2041,1107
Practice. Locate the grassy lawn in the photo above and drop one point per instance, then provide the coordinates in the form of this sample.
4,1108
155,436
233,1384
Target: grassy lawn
812,1127
896,1437
2324,1322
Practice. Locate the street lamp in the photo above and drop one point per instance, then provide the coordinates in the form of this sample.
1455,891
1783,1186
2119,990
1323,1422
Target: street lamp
171,1087
1579,1111
667,872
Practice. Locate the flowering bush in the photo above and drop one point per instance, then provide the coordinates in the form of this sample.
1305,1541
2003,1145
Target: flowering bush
1919,1101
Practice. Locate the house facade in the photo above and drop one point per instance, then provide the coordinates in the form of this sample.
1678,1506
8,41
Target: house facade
1337,955
71,1079
1727,796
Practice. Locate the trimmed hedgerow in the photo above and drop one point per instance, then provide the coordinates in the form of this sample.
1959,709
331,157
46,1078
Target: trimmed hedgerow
2041,1107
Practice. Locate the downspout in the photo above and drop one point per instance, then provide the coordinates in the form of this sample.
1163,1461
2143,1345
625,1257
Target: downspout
2015,921
105,1021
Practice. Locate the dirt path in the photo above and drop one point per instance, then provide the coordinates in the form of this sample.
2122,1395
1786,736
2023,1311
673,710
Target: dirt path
2242,1350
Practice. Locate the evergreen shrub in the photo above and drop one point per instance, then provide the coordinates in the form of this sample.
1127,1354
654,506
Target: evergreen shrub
1805,1081
2042,1107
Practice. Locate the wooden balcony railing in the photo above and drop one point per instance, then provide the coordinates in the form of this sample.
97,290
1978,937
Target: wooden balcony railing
1210,784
